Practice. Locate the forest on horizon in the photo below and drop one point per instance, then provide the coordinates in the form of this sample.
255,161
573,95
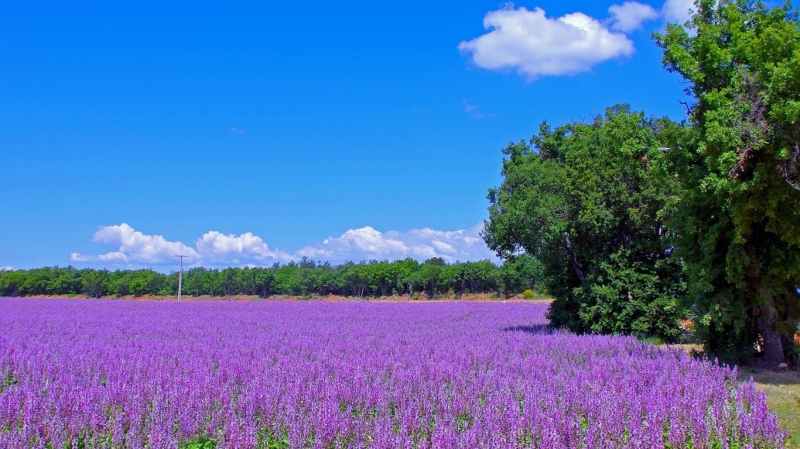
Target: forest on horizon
433,277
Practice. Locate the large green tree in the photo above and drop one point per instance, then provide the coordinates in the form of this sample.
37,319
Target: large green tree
589,201
739,216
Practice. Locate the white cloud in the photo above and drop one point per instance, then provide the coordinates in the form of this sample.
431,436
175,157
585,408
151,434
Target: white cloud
536,45
367,243
78,257
364,240
117,256
215,248
7,268
677,11
629,16
133,246
473,111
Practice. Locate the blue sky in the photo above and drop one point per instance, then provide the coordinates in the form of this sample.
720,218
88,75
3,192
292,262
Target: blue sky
249,133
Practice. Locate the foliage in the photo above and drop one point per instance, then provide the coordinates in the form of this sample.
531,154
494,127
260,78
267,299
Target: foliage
588,201
739,214
305,278
528,294
199,443
521,273
276,375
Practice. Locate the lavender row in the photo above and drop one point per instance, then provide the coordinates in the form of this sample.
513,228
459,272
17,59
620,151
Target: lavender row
318,375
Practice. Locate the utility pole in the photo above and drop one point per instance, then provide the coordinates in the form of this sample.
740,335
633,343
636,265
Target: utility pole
180,276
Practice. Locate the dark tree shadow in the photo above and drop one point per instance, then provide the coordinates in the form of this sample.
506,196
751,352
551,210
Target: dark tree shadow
535,329
770,377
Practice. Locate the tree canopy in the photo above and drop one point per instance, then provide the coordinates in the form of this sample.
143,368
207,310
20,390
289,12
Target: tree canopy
589,201
738,218
430,279
637,221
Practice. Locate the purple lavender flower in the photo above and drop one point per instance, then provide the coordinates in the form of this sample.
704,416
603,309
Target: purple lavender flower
319,375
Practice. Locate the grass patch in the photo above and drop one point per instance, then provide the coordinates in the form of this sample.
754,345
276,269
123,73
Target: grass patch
783,397
199,443
782,389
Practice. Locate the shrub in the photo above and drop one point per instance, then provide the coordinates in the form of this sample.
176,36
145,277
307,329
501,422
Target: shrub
528,294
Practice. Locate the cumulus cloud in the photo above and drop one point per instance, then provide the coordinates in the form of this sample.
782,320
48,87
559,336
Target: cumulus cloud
677,11
367,243
7,268
630,16
536,45
133,246
215,248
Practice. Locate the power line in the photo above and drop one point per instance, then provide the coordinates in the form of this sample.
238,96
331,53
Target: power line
180,275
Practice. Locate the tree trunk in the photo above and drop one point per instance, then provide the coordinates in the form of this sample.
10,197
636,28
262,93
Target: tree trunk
573,260
773,346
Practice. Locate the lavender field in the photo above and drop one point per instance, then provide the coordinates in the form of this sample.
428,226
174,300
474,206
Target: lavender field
81,374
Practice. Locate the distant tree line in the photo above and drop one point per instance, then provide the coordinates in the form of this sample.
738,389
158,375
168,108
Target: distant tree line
431,278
